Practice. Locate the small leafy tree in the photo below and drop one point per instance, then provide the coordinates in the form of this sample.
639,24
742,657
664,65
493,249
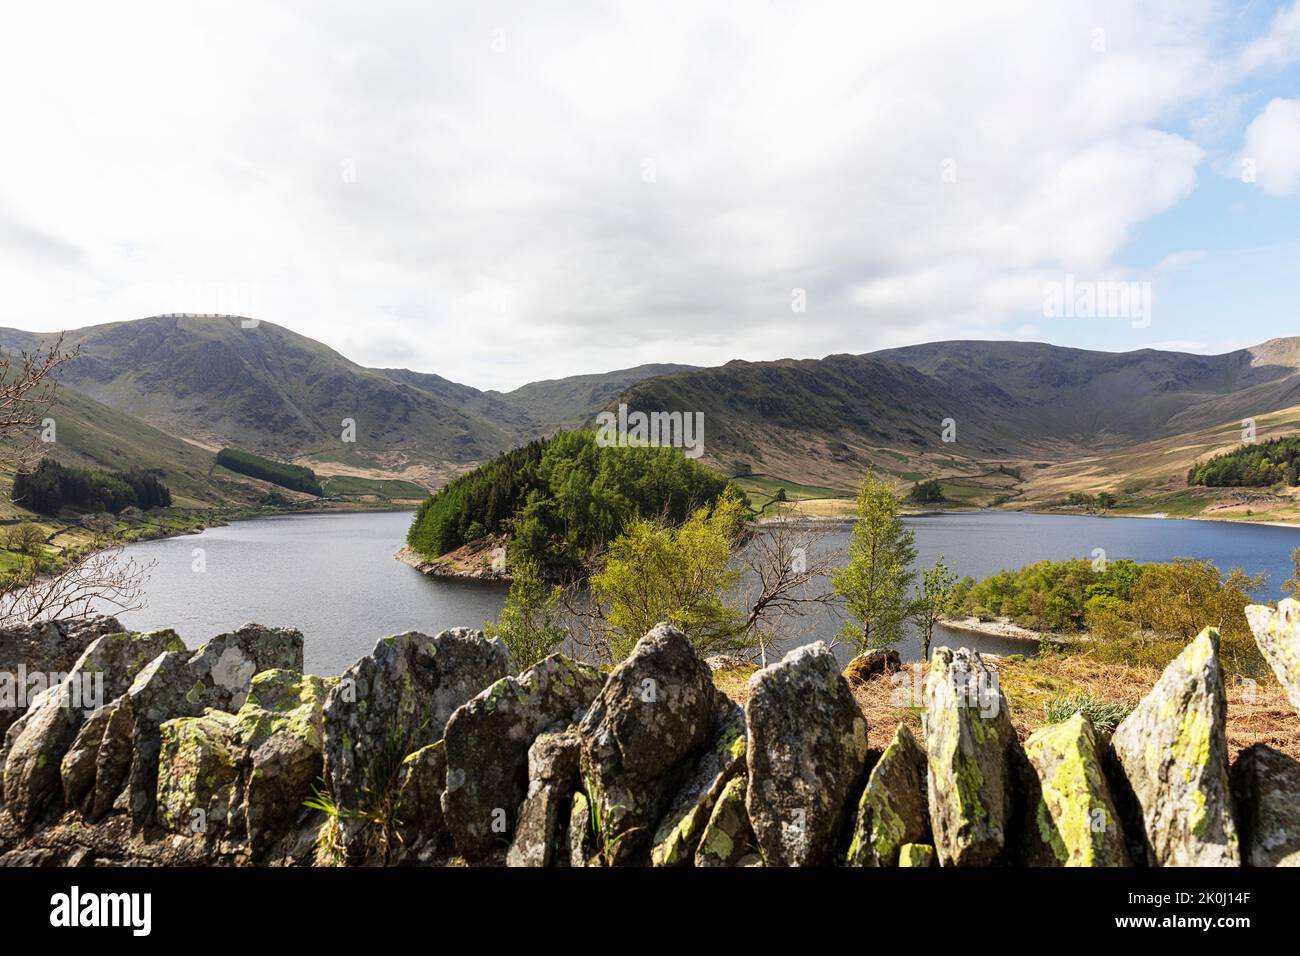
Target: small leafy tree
529,624
874,586
938,586
655,572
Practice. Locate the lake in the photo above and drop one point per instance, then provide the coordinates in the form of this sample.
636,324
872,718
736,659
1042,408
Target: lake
334,577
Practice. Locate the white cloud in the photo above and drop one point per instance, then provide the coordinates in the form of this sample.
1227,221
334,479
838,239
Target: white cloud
1278,47
1270,155
460,188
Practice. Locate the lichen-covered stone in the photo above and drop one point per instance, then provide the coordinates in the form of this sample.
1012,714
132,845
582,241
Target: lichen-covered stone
552,777
582,847
396,701
916,854
1072,820
892,810
280,726
682,826
656,713
77,768
1266,784
42,648
872,664
1171,752
420,783
198,774
971,749
1277,632
806,750
181,684
113,760
41,737
727,837
487,747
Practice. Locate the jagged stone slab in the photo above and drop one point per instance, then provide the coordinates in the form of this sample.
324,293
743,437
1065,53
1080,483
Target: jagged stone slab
1072,819
892,810
916,854
77,768
806,750
657,712
552,777
1277,632
727,838
682,826
1266,784
971,750
113,759
1173,758
32,656
198,774
581,845
398,700
420,783
40,738
281,728
487,747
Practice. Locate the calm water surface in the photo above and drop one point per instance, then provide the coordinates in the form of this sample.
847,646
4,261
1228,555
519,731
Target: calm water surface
334,576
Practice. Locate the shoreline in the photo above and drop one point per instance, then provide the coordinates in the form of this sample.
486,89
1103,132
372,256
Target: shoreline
1003,627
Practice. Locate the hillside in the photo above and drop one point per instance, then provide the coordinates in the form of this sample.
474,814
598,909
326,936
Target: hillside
212,382
90,433
266,389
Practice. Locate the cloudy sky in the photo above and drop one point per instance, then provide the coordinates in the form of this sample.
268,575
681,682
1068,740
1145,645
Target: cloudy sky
502,192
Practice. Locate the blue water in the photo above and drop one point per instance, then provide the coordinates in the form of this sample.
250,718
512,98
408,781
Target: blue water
334,576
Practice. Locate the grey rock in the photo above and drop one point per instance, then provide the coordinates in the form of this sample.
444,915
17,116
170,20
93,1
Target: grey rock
682,826
78,766
806,749
1172,755
552,778
487,747
396,701
1072,820
874,663
420,782
31,654
39,740
1266,785
1277,632
893,809
198,774
181,684
582,846
973,758
280,728
727,838
655,715
113,759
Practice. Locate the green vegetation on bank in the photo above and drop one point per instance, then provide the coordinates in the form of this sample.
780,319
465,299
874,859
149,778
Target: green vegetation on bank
51,487
293,477
1134,613
562,499
1255,465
